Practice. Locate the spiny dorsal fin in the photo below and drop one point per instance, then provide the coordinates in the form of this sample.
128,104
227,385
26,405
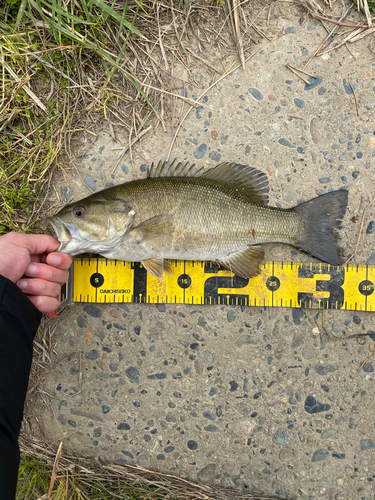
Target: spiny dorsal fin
249,181
245,263
174,169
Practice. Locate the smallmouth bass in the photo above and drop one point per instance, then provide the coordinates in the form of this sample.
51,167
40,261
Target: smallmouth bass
182,212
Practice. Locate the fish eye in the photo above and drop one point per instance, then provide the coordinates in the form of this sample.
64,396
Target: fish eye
79,211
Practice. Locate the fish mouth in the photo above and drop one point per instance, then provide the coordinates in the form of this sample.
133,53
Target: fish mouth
73,242
62,232
70,243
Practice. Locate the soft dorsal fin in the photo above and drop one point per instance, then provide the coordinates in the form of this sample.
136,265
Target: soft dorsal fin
248,181
174,169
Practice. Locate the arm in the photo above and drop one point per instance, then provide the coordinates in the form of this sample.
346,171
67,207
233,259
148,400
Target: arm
30,281
19,321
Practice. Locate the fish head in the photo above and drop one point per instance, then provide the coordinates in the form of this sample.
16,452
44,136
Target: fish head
95,225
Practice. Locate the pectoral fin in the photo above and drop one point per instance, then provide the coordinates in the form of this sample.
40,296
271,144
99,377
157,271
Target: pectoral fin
156,267
246,263
152,229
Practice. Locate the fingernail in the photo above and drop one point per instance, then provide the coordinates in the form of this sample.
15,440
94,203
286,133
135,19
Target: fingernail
22,284
54,260
32,269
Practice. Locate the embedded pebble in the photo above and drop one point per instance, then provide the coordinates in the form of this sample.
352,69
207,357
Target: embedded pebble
314,82
297,315
247,340
286,143
281,437
368,367
125,168
214,155
299,102
347,87
257,94
320,455
324,369
200,151
328,433
288,194
90,182
198,112
206,474
307,353
286,455
93,311
324,180
297,341
313,406
314,130
132,372
143,461
231,316
192,445
66,193
371,227
367,444
290,29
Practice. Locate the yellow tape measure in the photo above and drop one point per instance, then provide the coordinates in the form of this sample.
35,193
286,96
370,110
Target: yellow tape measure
281,284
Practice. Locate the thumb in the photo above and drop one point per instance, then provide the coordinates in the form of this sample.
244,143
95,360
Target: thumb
37,244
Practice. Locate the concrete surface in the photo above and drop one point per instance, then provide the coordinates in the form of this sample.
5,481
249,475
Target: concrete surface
249,398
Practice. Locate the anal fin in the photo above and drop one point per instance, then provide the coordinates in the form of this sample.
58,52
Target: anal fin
246,263
156,267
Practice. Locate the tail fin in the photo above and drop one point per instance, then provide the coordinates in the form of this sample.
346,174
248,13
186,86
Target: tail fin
321,216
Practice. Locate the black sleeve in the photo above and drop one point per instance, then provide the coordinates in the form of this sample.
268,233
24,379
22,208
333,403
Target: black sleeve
19,321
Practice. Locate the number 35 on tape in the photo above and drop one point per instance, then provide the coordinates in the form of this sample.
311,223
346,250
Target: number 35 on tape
280,284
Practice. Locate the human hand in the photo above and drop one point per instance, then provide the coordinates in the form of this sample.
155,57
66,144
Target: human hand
28,261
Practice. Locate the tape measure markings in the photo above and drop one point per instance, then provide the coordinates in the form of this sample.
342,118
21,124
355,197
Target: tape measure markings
288,284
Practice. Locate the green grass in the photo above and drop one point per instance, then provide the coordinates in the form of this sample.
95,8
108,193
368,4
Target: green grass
34,480
46,52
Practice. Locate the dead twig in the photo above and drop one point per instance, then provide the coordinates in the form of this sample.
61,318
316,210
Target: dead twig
299,76
350,337
360,232
365,361
237,33
302,71
55,464
355,98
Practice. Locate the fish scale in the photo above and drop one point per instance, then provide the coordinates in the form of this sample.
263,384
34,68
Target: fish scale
213,220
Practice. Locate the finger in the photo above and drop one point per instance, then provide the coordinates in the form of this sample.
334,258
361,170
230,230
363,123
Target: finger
36,243
35,258
45,304
60,260
39,287
47,273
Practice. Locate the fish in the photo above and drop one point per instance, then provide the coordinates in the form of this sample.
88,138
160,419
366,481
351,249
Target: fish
183,212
